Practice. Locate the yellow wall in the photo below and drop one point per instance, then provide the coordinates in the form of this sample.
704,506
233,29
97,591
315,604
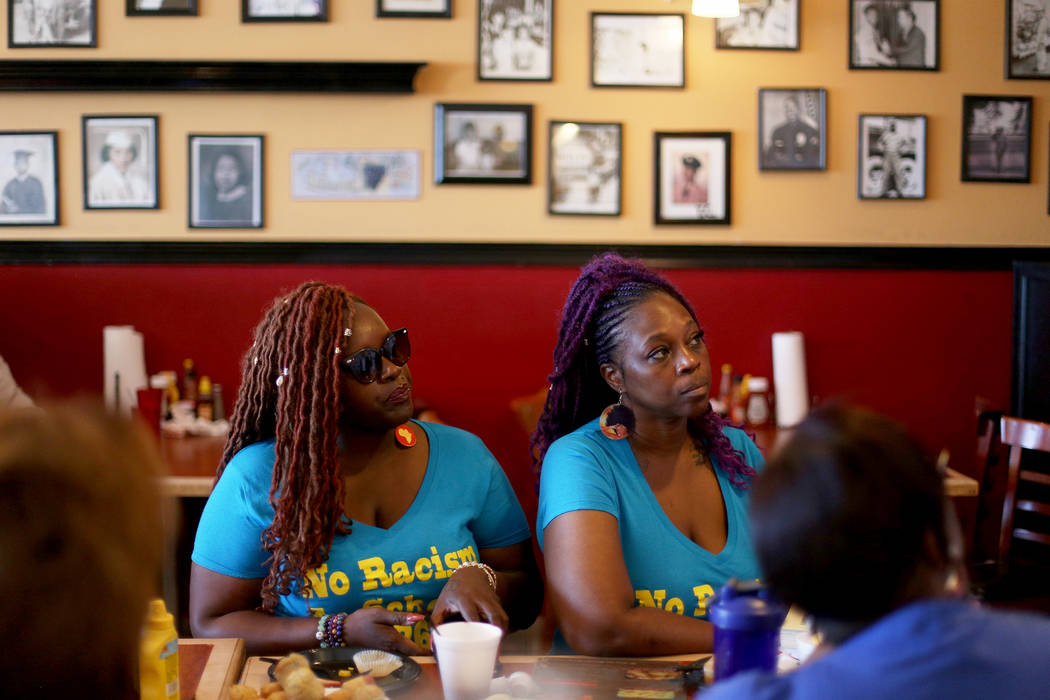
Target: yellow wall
721,94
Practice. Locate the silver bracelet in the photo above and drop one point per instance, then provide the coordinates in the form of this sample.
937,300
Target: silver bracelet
484,567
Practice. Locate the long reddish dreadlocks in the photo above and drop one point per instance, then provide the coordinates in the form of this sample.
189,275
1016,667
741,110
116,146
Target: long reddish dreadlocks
290,391
599,301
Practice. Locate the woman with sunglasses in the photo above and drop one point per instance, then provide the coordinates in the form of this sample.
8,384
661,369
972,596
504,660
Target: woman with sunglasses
338,521
643,505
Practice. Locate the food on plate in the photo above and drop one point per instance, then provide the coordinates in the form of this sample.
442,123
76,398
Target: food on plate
377,663
297,680
269,689
360,688
243,692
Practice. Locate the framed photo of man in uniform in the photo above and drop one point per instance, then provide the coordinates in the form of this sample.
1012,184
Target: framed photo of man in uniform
1028,39
792,128
28,178
691,177
120,162
997,138
584,168
891,158
894,34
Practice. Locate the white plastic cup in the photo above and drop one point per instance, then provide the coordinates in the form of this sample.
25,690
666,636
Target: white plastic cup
466,656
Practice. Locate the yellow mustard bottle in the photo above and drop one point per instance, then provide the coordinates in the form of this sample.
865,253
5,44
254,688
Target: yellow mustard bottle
159,655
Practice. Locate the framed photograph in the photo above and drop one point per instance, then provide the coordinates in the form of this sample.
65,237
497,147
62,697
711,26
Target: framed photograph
761,24
891,157
355,175
637,50
894,34
159,8
1028,39
120,162
483,144
38,23
515,40
584,173
691,178
28,178
792,128
997,138
284,10
226,181
414,8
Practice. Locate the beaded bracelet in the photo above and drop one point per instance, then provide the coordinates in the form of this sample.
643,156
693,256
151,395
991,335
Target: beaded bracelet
484,567
330,630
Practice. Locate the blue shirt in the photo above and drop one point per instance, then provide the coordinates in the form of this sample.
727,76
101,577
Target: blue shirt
585,470
928,650
464,504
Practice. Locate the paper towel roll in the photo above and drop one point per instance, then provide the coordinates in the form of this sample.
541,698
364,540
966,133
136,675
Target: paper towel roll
123,367
789,378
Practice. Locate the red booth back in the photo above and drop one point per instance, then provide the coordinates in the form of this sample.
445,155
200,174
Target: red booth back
919,345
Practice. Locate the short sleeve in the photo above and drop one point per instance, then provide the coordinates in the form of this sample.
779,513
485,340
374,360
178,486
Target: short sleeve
501,521
573,477
229,536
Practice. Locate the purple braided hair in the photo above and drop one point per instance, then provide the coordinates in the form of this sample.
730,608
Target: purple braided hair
606,290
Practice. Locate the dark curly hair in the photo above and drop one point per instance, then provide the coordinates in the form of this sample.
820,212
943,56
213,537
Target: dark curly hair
606,290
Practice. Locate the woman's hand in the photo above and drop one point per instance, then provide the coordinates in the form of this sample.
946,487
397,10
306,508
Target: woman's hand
374,628
468,593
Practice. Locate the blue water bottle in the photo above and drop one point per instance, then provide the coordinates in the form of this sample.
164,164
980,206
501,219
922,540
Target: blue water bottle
747,622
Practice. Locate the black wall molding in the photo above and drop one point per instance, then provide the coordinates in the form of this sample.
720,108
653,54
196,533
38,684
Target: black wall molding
214,76
663,256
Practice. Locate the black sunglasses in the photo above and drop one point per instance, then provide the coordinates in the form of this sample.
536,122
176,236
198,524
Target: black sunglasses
366,364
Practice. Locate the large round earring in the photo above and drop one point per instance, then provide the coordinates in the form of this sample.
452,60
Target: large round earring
617,421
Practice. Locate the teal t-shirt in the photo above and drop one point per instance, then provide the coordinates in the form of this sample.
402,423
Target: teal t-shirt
464,504
585,470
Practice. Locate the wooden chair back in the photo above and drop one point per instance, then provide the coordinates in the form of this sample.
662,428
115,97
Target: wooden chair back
1021,435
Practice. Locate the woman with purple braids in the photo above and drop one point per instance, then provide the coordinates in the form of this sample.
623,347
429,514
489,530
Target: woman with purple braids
643,488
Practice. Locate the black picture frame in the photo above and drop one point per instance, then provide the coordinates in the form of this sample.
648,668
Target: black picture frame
997,133
584,168
797,140
760,26
891,156
879,38
119,157
166,8
622,45
1027,42
29,29
511,45
692,177
29,193
231,203
250,15
497,149
426,9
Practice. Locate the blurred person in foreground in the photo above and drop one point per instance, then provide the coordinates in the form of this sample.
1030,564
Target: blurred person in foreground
850,523
80,551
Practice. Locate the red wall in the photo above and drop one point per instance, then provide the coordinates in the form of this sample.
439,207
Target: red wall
919,345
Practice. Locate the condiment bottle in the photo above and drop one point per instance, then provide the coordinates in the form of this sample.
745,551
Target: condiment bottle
219,411
758,401
189,382
725,389
205,408
159,655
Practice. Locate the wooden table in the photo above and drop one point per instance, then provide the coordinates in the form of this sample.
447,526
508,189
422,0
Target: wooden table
191,463
428,687
208,667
